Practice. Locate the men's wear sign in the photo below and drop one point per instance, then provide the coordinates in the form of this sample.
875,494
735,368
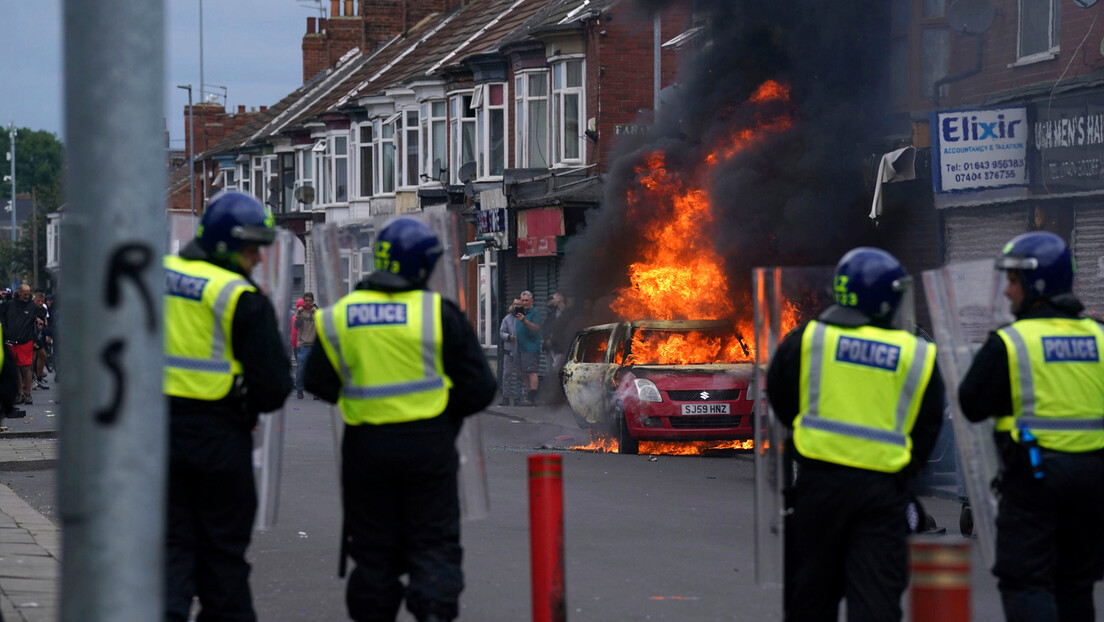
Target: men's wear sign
979,149
1069,144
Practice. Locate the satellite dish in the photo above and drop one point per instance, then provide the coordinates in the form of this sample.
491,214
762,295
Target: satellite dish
466,173
304,194
971,17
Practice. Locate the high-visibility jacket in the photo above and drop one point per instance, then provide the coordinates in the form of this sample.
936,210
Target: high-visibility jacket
1057,379
386,346
860,393
200,300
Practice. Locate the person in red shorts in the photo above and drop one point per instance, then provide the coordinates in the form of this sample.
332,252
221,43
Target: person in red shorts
18,320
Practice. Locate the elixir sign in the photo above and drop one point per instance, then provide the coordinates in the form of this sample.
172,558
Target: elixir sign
979,149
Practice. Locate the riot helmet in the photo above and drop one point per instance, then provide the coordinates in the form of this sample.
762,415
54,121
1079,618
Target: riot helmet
868,284
1043,262
232,221
406,250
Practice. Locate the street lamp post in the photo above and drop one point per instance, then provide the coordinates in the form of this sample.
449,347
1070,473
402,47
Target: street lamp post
191,156
11,156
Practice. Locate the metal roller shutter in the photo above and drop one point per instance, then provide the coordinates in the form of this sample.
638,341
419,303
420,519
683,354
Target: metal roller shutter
980,232
1088,253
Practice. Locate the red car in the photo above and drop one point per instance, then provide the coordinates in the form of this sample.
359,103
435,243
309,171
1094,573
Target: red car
661,381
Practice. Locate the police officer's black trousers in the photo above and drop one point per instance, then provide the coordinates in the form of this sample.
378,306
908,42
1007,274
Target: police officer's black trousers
212,503
1050,535
846,538
402,516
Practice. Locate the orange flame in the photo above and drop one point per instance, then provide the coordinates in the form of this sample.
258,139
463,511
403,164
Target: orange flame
605,444
680,275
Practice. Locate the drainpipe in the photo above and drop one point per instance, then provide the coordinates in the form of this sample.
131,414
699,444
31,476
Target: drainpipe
962,76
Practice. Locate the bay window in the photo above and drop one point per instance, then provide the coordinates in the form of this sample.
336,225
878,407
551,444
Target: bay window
462,129
567,112
386,151
434,143
531,122
409,144
366,159
489,102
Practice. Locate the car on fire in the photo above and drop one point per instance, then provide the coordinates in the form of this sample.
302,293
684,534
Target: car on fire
675,380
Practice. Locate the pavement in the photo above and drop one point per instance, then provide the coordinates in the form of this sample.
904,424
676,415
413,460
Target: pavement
30,544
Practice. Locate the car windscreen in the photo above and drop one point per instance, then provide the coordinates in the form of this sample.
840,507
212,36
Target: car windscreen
685,346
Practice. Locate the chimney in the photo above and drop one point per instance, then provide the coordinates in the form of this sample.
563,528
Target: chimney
241,108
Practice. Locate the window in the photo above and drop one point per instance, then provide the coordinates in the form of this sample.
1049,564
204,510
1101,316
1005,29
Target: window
434,143
489,101
593,347
258,177
244,176
339,145
409,149
1039,21
531,124
567,112
286,196
462,127
230,179
366,159
306,168
386,151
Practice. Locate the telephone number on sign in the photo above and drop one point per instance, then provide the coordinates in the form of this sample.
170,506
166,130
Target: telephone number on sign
986,175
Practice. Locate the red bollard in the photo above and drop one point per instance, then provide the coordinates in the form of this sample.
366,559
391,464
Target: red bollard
940,569
546,546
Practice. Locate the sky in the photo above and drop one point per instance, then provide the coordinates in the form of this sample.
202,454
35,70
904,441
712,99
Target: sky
251,47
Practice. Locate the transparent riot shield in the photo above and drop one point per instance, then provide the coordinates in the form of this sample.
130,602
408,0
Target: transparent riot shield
273,275
783,298
965,303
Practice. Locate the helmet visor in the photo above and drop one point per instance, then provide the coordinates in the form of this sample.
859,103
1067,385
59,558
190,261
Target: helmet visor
254,234
1008,262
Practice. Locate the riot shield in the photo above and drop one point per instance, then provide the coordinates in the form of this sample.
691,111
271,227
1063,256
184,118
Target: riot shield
783,298
965,303
273,275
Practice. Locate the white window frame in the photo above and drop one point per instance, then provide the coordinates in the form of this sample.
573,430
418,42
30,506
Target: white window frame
245,177
366,162
408,129
1053,33
461,117
304,170
387,151
484,110
229,177
321,172
337,163
524,104
434,119
257,170
561,142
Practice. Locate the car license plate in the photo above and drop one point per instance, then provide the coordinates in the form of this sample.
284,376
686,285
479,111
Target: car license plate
705,409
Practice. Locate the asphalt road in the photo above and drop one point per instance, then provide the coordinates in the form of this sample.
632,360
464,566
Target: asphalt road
647,538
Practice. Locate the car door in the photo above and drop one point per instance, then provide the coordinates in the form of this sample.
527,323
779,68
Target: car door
584,374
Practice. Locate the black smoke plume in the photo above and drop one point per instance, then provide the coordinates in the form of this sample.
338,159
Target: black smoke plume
796,199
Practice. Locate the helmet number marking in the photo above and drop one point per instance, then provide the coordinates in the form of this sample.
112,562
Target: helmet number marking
843,297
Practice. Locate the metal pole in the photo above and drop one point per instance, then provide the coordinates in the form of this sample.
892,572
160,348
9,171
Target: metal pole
191,157
112,469
12,132
201,100
657,60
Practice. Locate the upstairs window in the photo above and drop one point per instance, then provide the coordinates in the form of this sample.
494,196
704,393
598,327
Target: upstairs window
340,162
306,170
462,128
409,143
434,140
366,159
567,112
386,155
1039,21
531,124
286,199
489,102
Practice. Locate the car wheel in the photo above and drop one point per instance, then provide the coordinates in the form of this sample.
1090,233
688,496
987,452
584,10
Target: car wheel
625,444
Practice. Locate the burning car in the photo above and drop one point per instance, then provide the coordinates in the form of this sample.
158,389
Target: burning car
651,380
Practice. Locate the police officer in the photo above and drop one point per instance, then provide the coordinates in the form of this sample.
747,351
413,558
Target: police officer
405,367
1042,378
224,364
865,402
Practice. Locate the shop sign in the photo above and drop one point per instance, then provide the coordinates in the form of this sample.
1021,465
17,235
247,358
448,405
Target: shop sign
979,149
491,220
542,246
1069,144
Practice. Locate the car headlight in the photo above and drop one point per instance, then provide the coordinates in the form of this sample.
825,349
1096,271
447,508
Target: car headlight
647,391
